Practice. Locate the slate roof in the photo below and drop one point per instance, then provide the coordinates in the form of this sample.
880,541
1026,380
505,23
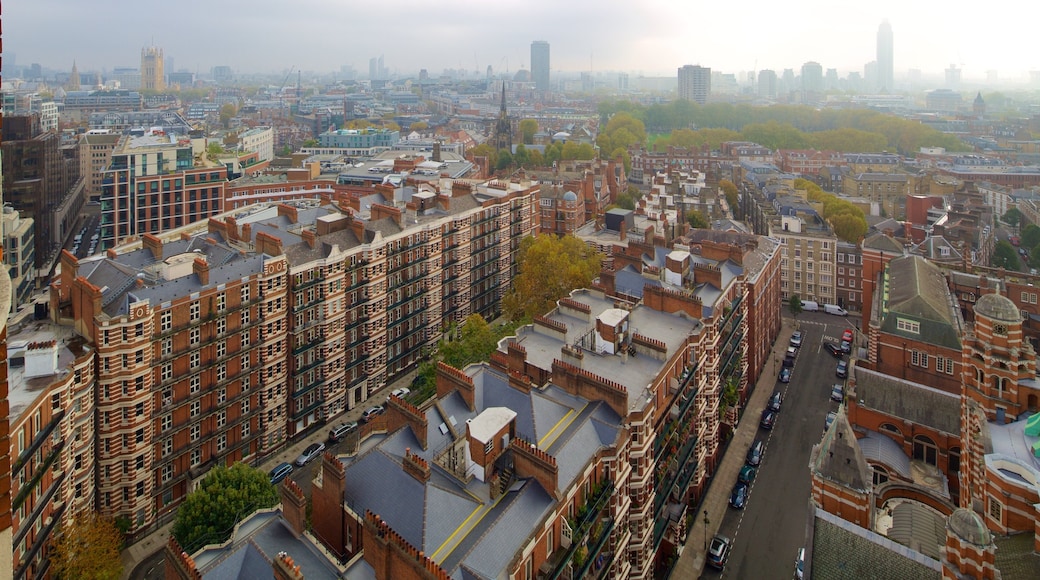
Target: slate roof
839,458
880,241
915,289
906,400
842,550
1015,556
435,516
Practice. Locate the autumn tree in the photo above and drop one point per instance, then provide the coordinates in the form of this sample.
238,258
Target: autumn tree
550,267
227,112
729,189
226,496
88,548
419,126
474,342
528,127
697,219
486,150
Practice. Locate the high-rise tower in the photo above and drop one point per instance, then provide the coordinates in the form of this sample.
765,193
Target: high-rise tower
694,83
885,77
540,65
152,64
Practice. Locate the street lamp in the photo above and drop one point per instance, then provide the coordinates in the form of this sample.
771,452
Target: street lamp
706,522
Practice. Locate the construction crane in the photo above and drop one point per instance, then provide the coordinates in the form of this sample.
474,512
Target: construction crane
281,87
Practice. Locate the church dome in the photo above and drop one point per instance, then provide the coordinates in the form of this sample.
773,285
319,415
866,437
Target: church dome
570,196
997,307
969,527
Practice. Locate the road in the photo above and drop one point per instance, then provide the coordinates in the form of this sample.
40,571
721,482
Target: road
767,533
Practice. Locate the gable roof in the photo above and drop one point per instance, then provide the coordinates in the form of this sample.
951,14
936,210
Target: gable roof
907,400
916,289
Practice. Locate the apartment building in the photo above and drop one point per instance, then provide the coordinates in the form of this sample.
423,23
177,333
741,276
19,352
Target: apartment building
95,156
19,249
806,161
259,140
189,340
808,252
849,276
561,211
155,183
374,279
889,190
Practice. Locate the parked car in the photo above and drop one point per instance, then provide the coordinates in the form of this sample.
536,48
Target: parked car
799,564
718,552
847,335
738,498
312,451
842,370
371,412
792,351
829,420
340,431
785,375
837,393
788,361
796,339
846,347
280,472
400,393
747,474
768,420
754,453
774,401
834,349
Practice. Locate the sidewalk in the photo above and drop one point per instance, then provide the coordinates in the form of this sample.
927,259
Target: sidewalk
134,555
716,500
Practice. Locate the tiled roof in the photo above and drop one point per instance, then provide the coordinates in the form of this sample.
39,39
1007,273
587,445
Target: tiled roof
906,400
916,290
842,550
839,458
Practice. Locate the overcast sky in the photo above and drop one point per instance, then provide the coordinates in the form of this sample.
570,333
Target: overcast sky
649,37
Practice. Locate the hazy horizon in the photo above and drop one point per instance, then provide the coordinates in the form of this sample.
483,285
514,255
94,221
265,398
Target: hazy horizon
324,35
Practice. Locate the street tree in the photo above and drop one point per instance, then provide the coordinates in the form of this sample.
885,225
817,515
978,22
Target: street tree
88,547
729,189
505,159
1030,236
1034,257
794,303
550,267
1005,256
226,496
474,342
1012,217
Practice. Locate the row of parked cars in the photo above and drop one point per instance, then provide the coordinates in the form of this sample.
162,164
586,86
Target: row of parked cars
336,434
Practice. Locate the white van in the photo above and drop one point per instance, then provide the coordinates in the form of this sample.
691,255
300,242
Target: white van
835,309
810,305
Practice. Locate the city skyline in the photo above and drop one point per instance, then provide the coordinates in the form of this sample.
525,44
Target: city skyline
470,36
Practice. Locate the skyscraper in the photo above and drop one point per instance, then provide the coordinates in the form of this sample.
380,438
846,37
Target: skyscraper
694,83
812,82
152,66
540,65
886,82
767,84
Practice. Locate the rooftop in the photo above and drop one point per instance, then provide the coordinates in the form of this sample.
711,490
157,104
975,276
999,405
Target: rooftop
907,400
23,389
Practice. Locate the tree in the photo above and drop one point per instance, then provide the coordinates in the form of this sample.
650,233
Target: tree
624,200
729,189
1030,236
528,127
227,495
505,159
475,342
419,126
88,548
849,227
1004,256
550,267
1012,217
795,304
697,220
1034,257
227,111
214,149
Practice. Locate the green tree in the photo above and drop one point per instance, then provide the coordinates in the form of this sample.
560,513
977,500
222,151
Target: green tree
1034,257
475,341
528,127
1012,217
550,267
1005,256
228,494
1030,236
505,159
227,111
849,227
794,303
729,189
419,126
214,149
310,142
697,220
522,157
486,150
88,548
624,200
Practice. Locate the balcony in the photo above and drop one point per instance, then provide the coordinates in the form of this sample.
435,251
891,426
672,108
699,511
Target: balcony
588,535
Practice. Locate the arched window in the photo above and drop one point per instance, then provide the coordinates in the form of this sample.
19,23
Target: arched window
890,428
880,474
955,460
925,450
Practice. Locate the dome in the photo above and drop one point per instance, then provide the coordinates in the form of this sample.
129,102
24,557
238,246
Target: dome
570,196
969,527
997,307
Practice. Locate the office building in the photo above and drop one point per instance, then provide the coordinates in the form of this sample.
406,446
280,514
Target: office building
767,84
259,140
694,83
540,65
152,67
886,78
812,82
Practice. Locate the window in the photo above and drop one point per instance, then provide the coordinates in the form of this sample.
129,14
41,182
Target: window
221,418
196,431
489,447
221,326
194,311
220,301
221,442
245,361
995,509
245,293
245,429
196,457
165,321
221,395
221,372
167,472
245,338
166,372
908,325
195,335
925,450
245,406
167,447
166,423
1029,298
196,406
194,384
195,360
245,316
221,349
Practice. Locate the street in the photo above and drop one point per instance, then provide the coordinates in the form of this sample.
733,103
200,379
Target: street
767,533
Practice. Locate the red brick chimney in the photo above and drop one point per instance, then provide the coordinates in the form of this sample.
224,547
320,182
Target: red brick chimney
201,268
289,212
284,568
416,466
294,506
311,238
153,243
